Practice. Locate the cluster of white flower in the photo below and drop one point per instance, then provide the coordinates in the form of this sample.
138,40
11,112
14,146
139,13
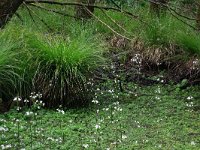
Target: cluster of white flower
3,129
2,120
193,143
60,111
29,113
95,101
35,95
38,104
137,59
158,90
124,137
111,91
117,106
26,101
195,64
105,109
189,97
190,104
6,146
18,108
85,145
58,140
97,126
157,97
17,99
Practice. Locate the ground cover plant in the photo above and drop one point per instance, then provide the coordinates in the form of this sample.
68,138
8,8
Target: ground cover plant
154,117
114,75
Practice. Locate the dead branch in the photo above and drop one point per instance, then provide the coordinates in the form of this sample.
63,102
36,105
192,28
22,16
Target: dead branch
98,19
54,11
83,5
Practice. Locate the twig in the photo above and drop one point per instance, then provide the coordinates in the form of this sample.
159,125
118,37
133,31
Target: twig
29,12
115,22
54,11
20,18
107,25
81,4
40,19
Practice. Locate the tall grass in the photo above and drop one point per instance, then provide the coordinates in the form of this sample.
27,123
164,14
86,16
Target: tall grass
8,65
189,42
64,66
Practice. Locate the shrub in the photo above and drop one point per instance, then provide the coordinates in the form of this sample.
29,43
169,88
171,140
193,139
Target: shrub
64,67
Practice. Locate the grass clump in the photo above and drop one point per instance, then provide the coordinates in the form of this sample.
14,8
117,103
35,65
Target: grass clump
64,66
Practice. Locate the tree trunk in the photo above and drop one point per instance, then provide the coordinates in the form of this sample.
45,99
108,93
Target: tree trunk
7,9
157,6
198,16
82,12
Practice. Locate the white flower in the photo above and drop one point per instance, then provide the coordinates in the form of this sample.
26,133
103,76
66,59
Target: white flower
17,99
97,126
158,98
28,113
3,129
95,101
106,109
110,91
26,101
6,146
124,137
189,97
60,111
18,108
85,145
193,143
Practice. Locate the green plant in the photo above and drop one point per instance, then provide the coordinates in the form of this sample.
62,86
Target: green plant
16,73
64,67
8,65
189,42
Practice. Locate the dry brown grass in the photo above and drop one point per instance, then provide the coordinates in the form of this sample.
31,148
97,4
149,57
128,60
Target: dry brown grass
175,61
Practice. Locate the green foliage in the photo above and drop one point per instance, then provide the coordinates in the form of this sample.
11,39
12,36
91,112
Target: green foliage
17,73
64,66
128,120
9,63
189,42
168,30
162,31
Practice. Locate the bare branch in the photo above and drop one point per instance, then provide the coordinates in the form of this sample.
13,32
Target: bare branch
107,25
54,11
81,4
